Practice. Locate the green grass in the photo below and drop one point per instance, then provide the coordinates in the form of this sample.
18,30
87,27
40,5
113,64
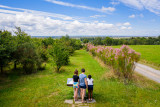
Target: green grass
48,88
150,54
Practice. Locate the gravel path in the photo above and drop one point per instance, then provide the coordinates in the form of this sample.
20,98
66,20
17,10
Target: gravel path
148,72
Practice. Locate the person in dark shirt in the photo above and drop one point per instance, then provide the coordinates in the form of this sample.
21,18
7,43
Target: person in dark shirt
75,84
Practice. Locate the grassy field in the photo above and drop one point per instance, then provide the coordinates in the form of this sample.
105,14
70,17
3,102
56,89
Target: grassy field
48,88
150,54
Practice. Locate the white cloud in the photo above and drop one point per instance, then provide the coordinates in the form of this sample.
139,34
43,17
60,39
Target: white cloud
37,23
124,27
137,15
107,9
151,5
98,16
114,3
123,24
43,23
103,9
40,13
132,16
126,24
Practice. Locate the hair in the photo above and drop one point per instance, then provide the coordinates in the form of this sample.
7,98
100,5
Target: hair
83,70
89,76
76,72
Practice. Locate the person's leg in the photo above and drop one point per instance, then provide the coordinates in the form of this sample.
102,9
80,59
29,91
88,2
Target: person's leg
81,92
91,94
74,94
83,95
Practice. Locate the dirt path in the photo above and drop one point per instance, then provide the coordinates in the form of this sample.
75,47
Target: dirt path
148,72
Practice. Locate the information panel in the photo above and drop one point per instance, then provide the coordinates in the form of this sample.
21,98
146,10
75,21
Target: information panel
69,81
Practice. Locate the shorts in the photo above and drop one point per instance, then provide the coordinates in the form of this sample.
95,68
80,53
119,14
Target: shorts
84,86
75,84
90,87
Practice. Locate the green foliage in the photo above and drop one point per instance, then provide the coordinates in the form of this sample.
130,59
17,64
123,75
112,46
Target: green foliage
30,59
70,44
30,53
85,41
20,38
59,54
47,41
97,41
7,46
149,54
108,41
121,60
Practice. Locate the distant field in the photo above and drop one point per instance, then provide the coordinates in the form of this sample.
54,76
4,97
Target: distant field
150,54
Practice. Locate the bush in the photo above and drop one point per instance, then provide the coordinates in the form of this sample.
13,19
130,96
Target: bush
121,60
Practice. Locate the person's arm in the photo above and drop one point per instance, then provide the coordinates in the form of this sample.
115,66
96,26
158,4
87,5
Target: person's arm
73,78
86,82
78,79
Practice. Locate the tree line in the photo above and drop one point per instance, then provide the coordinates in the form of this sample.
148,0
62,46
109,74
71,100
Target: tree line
29,54
108,41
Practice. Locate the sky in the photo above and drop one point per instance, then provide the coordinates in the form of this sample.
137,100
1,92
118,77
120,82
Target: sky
82,17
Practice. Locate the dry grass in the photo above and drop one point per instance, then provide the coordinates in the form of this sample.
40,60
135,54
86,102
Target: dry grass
144,82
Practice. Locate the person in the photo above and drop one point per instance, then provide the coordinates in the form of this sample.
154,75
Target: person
83,84
75,84
90,87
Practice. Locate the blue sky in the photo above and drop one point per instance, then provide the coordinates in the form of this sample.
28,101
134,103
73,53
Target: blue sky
82,17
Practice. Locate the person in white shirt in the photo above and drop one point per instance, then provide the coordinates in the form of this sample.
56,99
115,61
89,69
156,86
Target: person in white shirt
90,87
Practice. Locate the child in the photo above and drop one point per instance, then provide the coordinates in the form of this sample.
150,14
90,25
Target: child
90,87
75,84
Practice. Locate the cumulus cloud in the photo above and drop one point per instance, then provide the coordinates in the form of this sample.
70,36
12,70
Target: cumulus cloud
150,5
44,23
103,9
38,23
137,15
126,24
124,27
123,24
132,16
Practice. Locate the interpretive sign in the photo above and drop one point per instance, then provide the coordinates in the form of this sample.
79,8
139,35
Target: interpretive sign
69,81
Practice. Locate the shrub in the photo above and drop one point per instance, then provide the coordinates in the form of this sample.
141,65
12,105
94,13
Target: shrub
121,60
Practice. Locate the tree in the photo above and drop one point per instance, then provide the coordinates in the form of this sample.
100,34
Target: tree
60,55
30,59
108,41
21,37
47,41
6,48
97,41
85,41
